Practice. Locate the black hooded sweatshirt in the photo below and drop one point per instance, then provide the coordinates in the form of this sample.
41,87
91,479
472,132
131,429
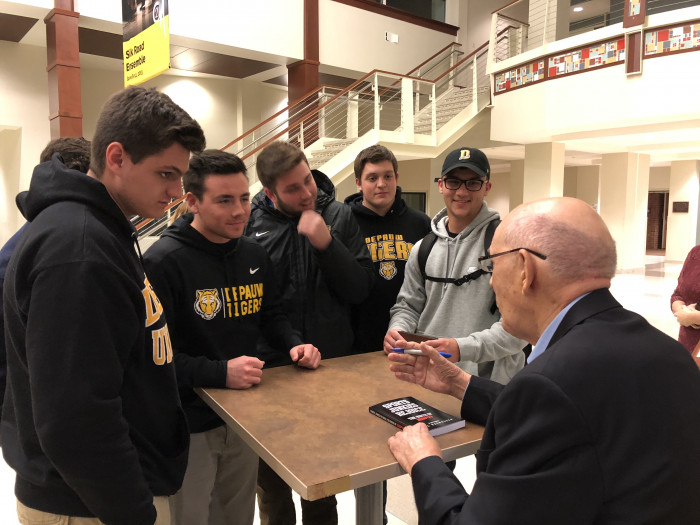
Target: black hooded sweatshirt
390,239
92,423
318,287
218,298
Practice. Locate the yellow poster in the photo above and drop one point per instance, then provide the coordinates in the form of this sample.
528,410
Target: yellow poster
146,39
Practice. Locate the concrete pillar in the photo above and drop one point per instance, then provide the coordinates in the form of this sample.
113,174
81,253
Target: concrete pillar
588,185
582,182
624,183
682,232
544,171
517,182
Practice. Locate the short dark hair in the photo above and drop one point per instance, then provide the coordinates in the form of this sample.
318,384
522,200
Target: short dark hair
210,162
145,122
275,160
74,151
373,155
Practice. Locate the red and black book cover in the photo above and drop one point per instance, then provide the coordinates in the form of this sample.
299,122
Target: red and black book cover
406,411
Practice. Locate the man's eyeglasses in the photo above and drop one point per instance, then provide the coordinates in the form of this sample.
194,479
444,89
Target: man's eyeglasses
486,262
452,183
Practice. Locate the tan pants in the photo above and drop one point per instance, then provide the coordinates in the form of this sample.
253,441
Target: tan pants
219,485
29,516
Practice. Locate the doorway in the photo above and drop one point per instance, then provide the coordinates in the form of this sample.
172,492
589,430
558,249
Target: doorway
657,213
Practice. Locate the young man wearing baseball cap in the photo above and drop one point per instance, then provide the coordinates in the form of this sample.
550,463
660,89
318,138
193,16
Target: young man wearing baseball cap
450,298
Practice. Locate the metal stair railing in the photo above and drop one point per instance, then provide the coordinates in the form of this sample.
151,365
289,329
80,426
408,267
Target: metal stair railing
457,88
380,100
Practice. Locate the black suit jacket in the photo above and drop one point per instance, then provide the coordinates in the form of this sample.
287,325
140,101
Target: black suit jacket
603,427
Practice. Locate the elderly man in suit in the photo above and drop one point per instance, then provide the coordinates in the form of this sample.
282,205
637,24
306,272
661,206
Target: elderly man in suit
602,424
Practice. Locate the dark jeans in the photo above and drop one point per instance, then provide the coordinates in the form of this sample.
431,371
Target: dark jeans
277,507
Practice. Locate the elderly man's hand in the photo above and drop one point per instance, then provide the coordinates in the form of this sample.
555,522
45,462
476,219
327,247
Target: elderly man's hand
431,371
412,444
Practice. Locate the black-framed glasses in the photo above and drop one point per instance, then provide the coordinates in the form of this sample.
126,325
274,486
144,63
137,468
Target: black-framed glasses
486,262
452,183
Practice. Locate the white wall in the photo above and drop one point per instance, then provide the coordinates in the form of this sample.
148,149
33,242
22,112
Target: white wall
10,157
475,20
214,102
582,182
659,178
211,101
682,227
354,39
417,175
570,182
499,196
263,26
24,115
588,185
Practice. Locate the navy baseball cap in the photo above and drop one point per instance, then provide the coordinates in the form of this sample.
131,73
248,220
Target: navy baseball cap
470,158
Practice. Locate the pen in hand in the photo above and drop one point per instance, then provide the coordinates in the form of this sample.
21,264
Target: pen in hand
412,351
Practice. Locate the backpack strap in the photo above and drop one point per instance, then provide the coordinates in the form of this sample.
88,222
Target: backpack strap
424,250
429,241
488,236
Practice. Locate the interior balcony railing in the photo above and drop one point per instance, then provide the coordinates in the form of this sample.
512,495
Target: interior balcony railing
407,107
523,25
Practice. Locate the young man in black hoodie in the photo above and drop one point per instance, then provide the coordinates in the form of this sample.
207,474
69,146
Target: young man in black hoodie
75,154
92,423
219,292
390,229
321,258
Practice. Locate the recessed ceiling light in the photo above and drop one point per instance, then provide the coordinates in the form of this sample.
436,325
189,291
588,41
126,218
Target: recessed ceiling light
578,9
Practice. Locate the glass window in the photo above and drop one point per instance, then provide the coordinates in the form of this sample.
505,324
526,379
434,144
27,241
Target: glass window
430,9
414,200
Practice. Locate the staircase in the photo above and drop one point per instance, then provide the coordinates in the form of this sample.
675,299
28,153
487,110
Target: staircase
332,125
330,149
448,106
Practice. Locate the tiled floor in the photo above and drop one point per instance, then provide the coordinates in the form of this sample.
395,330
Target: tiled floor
648,294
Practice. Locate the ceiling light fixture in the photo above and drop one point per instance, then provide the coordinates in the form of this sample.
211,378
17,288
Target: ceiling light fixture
578,9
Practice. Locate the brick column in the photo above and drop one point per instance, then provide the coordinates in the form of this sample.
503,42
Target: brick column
63,66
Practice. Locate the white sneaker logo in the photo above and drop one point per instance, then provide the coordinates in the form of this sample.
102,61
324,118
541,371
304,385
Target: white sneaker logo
260,234
253,271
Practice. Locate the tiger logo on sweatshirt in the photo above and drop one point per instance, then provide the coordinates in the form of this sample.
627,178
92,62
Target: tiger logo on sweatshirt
387,269
207,304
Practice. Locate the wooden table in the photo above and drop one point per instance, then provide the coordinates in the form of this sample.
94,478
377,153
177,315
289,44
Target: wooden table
314,429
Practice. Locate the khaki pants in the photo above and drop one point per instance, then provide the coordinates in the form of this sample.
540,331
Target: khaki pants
219,484
29,516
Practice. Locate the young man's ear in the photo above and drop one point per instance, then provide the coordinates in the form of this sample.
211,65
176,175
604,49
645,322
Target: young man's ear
115,156
192,202
357,183
270,195
441,185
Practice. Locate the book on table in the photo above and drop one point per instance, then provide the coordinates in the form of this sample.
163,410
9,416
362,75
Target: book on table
406,411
